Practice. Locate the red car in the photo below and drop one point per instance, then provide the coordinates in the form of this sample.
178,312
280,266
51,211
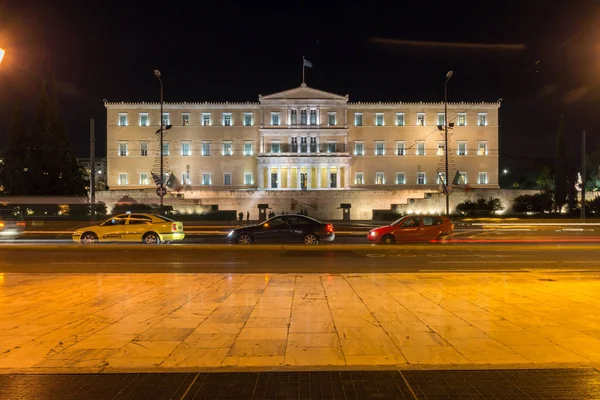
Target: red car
421,228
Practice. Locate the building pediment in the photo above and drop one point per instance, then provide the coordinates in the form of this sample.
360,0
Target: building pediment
303,92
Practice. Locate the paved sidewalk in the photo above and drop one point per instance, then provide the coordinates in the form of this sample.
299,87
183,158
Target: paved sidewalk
191,322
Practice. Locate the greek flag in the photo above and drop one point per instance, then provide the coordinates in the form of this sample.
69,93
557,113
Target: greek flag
307,63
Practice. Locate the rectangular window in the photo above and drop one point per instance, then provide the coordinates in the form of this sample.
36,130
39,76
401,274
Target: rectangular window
294,117
186,148
206,178
247,119
378,119
248,178
400,178
144,179
420,119
313,117
462,149
483,180
144,119
205,119
123,179
227,179
185,119
482,119
420,148
482,149
226,119
462,119
462,178
166,148
379,148
275,147
441,118
275,118
379,178
143,149
206,148
359,149
274,180
400,119
358,119
441,146
359,178
421,179
122,119
122,149
400,148
331,119
313,144
185,178
331,147
227,148
247,148
166,119
441,178
302,117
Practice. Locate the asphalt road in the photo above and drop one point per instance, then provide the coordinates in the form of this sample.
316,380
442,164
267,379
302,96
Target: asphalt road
74,258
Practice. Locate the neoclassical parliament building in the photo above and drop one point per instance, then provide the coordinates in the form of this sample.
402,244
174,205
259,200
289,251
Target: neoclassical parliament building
302,139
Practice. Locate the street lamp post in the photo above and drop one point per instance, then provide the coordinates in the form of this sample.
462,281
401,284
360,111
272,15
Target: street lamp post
448,76
162,172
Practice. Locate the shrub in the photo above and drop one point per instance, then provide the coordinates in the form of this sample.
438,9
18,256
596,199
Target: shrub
533,203
480,206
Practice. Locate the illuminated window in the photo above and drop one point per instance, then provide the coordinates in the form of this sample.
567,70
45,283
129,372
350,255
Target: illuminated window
247,119
462,178
420,119
440,148
359,148
122,119
331,147
331,119
441,118
400,178
143,149
186,148
379,178
313,117
275,147
482,149
379,148
248,178
205,119
400,148
294,117
483,178
226,119
462,148
166,119
482,119
421,179
166,149
227,179
302,117
420,148
247,148
206,180
185,178
441,178
144,179
462,119
206,148
379,119
359,178
358,119
122,149
123,179
227,148
144,119
275,118
400,119
185,119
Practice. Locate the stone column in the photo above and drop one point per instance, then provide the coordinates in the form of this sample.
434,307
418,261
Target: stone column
338,177
261,177
298,182
318,144
262,144
289,177
309,176
319,176
278,177
346,177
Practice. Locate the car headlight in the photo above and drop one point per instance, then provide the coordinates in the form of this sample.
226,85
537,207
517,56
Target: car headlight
373,233
230,233
76,233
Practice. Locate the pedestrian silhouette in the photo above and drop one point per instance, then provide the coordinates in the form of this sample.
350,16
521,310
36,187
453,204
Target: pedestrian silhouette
247,216
241,216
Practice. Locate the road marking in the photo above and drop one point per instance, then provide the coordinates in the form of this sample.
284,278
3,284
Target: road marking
510,262
149,262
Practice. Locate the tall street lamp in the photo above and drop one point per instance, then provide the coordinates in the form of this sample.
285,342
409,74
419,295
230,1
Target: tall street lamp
446,177
162,190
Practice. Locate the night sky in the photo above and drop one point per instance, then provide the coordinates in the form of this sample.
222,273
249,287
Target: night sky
373,51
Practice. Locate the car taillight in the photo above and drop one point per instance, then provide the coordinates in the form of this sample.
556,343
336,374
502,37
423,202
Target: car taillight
173,227
329,228
20,223
1,224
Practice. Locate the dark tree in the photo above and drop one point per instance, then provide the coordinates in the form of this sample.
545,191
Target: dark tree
15,176
560,168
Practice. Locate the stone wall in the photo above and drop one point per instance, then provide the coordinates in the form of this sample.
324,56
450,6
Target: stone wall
319,204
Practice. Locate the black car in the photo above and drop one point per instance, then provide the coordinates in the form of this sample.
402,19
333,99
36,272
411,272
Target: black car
289,228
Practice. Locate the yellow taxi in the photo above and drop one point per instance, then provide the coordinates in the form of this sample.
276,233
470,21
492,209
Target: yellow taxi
144,228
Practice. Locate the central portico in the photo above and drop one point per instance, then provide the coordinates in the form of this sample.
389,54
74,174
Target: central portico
303,141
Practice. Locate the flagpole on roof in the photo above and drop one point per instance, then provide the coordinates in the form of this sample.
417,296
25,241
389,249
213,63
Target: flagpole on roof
303,68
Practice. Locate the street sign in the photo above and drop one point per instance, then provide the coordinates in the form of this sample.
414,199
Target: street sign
161,191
